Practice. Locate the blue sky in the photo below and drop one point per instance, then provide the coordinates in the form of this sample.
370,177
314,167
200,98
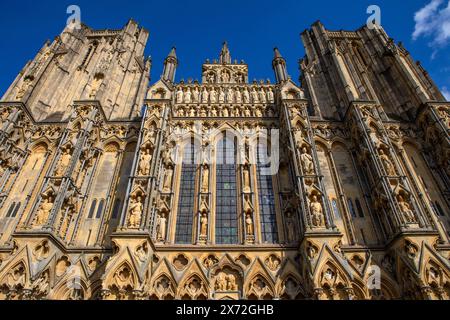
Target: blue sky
252,28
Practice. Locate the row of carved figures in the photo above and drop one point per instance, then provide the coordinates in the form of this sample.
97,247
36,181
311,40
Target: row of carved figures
222,95
225,112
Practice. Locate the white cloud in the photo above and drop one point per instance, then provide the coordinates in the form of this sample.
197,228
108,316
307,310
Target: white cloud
446,93
433,21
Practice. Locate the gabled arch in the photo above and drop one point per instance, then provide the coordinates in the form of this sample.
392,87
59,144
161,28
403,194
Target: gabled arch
260,286
193,287
163,287
290,288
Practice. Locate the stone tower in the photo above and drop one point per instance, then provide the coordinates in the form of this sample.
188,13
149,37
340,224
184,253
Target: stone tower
103,65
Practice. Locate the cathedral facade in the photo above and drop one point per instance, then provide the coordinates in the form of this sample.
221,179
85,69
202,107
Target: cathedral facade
224,188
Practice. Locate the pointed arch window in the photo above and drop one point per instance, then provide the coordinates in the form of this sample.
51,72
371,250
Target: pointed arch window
185,216
351,208
100,209
116,209
92,210
11,210
226,192
337,214
267,211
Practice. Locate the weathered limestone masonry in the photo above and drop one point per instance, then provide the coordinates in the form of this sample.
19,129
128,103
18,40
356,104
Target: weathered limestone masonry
111,188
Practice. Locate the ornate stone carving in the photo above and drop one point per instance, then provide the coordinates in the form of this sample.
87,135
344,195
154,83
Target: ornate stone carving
387,163
307,162
161,227
136,210
273,262
316,212
406,210
226,282
205,179
64,162
145,163
43,213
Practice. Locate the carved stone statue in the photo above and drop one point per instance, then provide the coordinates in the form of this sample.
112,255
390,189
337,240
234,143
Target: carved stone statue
290,226
270,96
246,96
405,208
136,209
273,262
262,96
225,112
211,78
221,282
161,227
249,225
213,96
145,163
188,96
95,85
44,211
230,95
180,95
221,96
63,162
167,185
225,77
204,225
307,162
231,282
205,179
23,89
205,95
387,163
254,94
195,95
246,179
316,212
238,96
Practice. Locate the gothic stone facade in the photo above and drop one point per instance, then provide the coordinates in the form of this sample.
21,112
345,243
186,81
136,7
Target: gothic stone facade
114,189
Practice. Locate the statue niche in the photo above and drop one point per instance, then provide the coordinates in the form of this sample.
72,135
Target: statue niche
136,210
24,88
290,226
387,163
64,162
168,164
307,162
246,178
316,212
405,209
95,85
227,283
44,210
205,179
161,226
145,163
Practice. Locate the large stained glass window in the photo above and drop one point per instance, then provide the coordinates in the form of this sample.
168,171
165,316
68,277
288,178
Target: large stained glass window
267,211
185,215
226,192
